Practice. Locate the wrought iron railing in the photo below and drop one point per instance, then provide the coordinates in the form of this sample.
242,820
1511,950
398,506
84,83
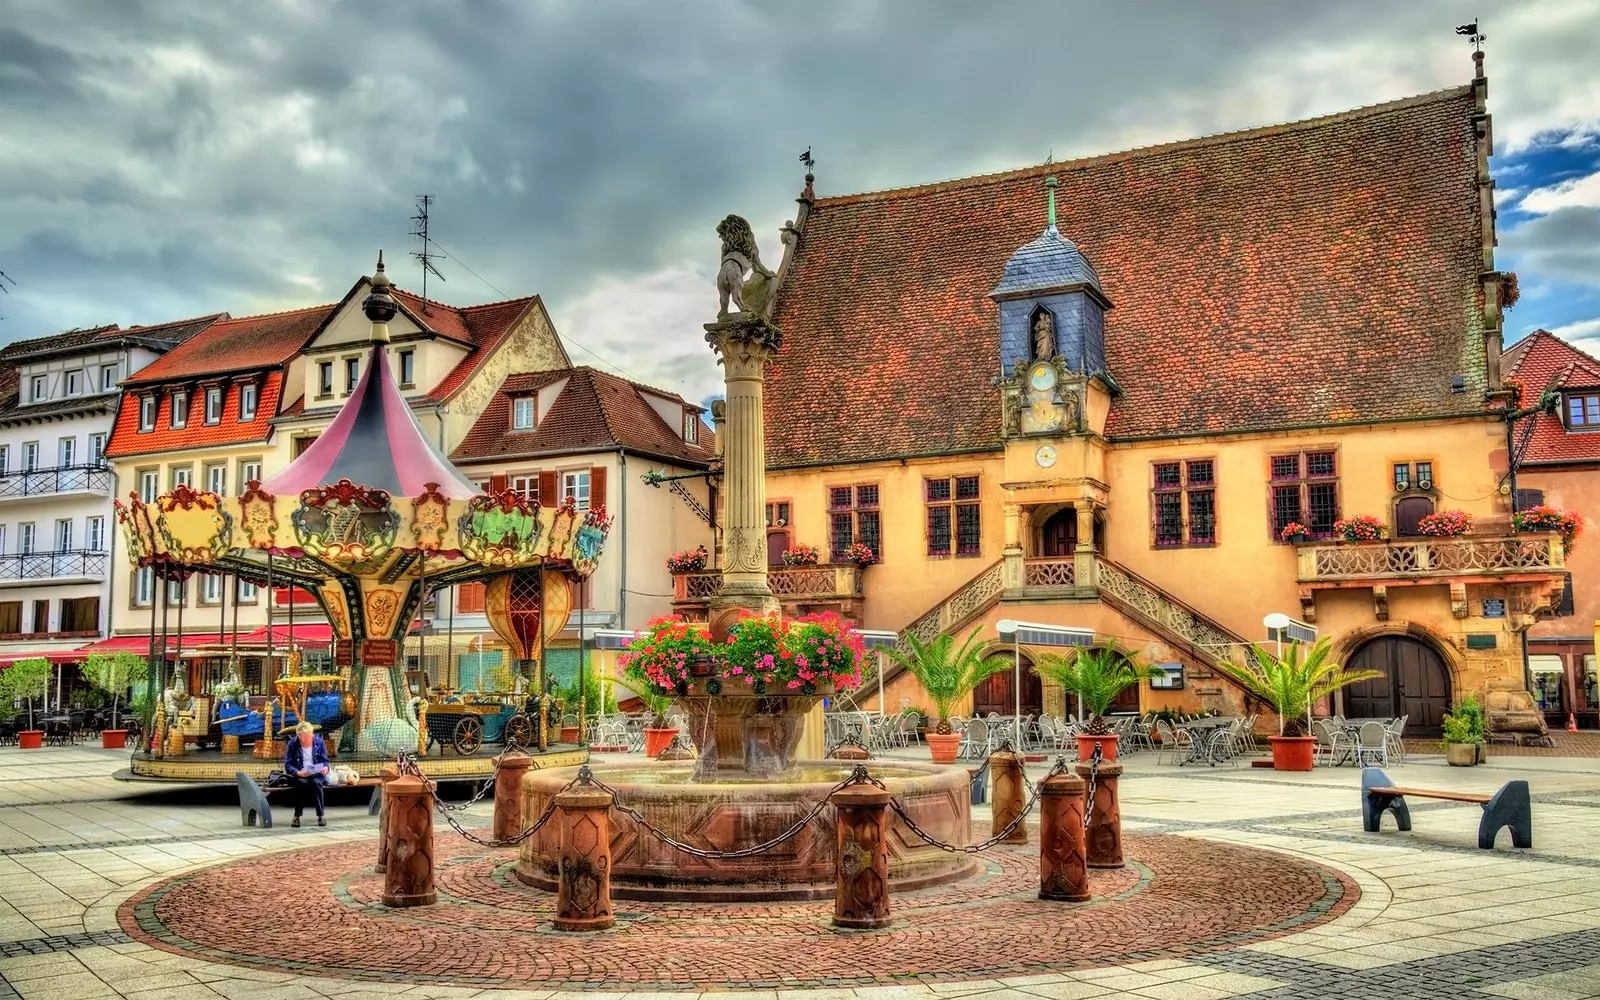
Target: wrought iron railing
72,563
1051,572
58,479
1401,559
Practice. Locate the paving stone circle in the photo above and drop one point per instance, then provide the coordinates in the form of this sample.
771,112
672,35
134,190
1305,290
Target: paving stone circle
316,912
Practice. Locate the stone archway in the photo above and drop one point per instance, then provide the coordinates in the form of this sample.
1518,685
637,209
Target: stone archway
1417,680
997,692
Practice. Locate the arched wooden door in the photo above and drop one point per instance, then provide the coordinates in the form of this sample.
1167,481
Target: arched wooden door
995,693
1415,683
1059,534
1408,513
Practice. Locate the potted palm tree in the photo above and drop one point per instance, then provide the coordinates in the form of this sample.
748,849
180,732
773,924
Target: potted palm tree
1096,675
1291,684
115,673
26,680
948,673
658,734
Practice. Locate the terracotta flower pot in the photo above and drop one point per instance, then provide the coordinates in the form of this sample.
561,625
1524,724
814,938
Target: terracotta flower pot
656,740
1107,743
1292,753
569,734
944,746
113,739
30,739
1461,754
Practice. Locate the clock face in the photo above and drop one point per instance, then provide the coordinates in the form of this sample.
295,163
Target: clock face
1045,456
1042,376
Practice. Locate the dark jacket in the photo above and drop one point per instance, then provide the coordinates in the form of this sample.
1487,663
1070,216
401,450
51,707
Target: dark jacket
294,759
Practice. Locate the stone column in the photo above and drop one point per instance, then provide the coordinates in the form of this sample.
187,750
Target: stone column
583,860
861,894
1083,555
1063,855
1014,551
744,341
408,877
508,795
1105,816
1010,795
388,773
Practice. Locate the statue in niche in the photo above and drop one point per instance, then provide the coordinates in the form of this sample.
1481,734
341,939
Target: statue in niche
1044,336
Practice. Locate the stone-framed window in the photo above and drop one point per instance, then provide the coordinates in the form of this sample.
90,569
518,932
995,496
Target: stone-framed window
854,516
1304,489
953,518
1183,503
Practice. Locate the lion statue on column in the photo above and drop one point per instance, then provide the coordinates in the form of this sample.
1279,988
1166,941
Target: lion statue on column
741,257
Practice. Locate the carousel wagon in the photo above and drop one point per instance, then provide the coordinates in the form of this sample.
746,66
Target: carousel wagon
369,520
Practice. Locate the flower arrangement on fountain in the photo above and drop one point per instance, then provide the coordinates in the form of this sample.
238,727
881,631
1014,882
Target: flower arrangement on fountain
773,655
800,554
665,654
1568,524
1445,523
1361,528
691,561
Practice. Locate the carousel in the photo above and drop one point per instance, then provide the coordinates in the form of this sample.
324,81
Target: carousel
369,521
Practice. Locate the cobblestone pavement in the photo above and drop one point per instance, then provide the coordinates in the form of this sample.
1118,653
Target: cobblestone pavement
1423,914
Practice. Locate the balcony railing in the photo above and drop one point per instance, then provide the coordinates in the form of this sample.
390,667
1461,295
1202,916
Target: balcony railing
1050,572
839,582
19,485
1424,558
73,564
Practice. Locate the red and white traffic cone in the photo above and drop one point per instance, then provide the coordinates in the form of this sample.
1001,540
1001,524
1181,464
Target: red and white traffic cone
1572,723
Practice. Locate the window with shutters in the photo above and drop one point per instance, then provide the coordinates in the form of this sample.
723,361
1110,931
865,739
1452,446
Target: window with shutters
575,487
1304,488
854,516
953,518
526,485
1565,608
469,598
1183,502
1528,498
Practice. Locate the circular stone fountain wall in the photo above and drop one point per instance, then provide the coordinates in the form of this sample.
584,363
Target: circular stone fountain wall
739,810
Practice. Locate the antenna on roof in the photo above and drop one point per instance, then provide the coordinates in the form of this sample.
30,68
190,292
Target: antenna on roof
1050,157
426,255
5,279
1476,37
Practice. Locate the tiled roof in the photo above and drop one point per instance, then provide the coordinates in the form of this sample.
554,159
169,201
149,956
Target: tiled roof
12,353
177,332
1543,361
235,345
596,411
486,326
126,440
1302,274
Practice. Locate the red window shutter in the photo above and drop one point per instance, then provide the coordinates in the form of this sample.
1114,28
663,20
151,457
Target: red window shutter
597,486
499,484
549,495
469,598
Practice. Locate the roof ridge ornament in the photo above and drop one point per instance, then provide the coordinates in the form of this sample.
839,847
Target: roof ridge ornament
1050,194
380,306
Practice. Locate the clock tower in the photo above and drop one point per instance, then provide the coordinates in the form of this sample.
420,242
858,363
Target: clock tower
1056,393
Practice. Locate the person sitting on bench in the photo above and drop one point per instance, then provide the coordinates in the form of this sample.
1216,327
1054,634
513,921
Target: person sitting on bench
306,764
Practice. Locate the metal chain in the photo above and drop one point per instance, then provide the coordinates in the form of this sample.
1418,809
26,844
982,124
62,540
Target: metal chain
1094,778
1010,828
858,776
407,765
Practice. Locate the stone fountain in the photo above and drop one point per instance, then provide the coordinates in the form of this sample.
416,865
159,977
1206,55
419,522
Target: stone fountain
746,788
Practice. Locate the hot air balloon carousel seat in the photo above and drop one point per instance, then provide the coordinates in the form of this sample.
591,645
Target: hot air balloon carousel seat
369,521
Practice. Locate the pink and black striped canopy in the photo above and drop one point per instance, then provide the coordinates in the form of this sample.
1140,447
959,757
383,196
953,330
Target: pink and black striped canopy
375,442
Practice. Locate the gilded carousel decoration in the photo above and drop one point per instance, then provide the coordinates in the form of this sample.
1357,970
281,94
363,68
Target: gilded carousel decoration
369,520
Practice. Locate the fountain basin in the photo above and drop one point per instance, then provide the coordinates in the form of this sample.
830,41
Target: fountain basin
739,810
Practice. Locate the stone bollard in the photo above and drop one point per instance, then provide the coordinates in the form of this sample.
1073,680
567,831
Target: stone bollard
583,860
388,773
1063,855
1105,817
508,794
408,876
1010,795
861,895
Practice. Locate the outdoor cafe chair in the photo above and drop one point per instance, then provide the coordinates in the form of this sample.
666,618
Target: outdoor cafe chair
975,738
1372,744
1175,740
1333,743
1397,741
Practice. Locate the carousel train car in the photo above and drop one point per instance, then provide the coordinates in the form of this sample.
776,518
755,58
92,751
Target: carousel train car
327,710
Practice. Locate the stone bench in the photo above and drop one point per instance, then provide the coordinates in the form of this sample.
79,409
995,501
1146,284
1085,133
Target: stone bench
1511,807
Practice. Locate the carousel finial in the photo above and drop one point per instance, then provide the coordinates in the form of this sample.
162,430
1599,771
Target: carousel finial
380,306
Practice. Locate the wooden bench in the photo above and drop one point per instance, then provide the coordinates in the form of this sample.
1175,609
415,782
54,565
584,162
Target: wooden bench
254,805
1511,807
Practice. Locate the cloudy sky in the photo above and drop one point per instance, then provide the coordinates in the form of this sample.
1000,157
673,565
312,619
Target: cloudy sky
163,158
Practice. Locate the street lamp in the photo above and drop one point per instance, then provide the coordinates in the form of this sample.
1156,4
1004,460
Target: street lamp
1034,634
879,640
1280,626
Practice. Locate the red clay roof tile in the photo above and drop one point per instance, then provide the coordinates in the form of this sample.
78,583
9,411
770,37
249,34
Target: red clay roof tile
1543,361
1301,274
234,345
127,441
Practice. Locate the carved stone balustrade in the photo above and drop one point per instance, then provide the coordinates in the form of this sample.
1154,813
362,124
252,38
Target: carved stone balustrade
1531,566
800,590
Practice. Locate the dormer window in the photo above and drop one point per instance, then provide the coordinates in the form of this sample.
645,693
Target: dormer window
40,388
1583,412
74,383
180,410
147,414
522,413
247,403
214,405
691,427
108,378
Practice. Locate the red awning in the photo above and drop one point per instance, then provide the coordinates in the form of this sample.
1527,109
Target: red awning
308,634
141,643
53,655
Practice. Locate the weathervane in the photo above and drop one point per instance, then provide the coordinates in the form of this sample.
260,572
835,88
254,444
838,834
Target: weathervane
1476,37
807,160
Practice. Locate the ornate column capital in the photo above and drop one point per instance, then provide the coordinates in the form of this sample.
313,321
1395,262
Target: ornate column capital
743,342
